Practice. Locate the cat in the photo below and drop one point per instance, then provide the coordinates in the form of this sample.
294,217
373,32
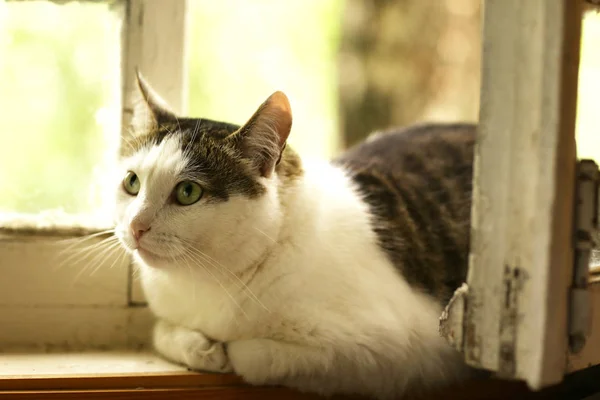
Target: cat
327,277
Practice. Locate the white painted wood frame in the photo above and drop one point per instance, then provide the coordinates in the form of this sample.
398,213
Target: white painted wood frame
47,301
154,42
513,317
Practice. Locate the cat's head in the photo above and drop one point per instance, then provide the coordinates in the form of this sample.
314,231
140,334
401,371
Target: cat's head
197,192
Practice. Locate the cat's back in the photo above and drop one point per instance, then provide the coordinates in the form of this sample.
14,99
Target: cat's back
417,182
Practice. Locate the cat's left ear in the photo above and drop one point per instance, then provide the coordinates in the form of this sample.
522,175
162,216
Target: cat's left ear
263,138
150,110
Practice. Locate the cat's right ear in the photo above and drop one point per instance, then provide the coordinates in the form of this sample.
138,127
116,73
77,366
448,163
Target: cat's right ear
150,110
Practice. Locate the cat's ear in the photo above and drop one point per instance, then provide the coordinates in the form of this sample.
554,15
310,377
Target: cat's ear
150,110
263,138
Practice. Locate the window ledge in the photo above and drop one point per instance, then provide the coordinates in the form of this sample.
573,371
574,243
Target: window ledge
142,375
51,223
27,365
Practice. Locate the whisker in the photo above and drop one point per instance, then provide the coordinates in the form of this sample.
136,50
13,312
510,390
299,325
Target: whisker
245,289
119,255
194,288
85,237
85,243
79,240
178,125
189,255
186,151
136,274
94,263
118,259
77,255
267,236
108,253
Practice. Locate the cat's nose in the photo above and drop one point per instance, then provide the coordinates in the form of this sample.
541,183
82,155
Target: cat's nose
138,228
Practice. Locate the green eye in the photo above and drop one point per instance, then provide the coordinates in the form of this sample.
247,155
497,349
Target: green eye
131,183
187,193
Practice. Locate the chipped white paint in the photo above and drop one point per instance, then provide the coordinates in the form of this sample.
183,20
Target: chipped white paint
452,319
521,260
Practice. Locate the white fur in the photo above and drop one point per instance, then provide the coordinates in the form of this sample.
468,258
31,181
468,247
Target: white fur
293,282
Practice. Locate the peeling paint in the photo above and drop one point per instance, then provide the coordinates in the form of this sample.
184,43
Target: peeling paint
514,280
452,319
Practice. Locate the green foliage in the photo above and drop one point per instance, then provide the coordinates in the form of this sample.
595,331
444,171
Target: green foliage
57,71
242,51
60,89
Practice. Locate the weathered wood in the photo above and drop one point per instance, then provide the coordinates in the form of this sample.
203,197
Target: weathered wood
453,317
40,271
186,385
521,260
45,304
74,328
590,354
153,41
117,369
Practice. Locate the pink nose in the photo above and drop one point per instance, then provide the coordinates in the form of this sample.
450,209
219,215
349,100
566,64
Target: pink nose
138,229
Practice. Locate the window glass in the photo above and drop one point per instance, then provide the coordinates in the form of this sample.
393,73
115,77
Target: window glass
241,51
588,112
59,105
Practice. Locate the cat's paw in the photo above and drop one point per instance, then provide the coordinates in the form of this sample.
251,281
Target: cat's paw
212,358
190,348
250,360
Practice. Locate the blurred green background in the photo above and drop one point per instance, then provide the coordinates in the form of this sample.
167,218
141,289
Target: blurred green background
60,98
60,89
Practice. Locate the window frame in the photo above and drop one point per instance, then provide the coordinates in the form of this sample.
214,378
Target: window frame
104,309
513,315
537,352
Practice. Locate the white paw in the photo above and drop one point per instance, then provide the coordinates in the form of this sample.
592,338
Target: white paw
213,358
189,347
249,360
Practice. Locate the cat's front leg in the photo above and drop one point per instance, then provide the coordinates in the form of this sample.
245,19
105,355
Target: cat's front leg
271,362
189,347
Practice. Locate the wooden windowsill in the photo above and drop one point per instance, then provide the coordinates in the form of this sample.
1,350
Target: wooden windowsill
118,375
142,375
27,364
130,375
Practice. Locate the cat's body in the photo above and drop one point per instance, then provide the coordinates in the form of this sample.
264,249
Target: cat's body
299,273
418,183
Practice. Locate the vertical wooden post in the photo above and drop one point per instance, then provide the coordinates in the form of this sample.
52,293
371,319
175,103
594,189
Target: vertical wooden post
154,41
521,256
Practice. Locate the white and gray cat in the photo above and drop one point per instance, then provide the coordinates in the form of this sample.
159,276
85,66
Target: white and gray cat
326,277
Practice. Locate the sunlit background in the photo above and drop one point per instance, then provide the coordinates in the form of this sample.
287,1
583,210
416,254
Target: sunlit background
348,67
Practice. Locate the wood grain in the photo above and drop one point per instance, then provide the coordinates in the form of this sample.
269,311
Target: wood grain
521,248
178,380
52,272
245,393
229,387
